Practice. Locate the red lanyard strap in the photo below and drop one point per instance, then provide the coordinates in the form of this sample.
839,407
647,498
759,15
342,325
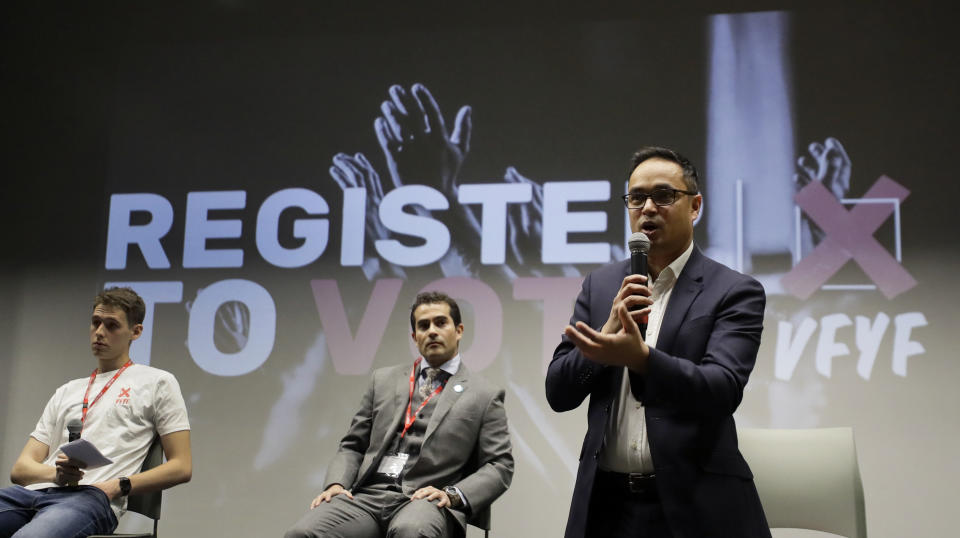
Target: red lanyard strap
86,395
408,418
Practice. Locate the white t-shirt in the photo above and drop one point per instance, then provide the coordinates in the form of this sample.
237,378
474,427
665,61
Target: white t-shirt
141,403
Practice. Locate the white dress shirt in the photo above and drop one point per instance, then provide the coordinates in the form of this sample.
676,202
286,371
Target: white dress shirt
626,448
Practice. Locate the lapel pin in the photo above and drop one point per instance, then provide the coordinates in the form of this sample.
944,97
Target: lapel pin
458,388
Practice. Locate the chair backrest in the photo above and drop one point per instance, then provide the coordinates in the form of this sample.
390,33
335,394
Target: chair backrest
807,479
148,504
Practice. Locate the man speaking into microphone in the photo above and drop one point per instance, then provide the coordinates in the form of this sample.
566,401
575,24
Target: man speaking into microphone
664,357
119,408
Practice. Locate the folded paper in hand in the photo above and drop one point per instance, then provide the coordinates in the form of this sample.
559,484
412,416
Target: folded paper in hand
83,450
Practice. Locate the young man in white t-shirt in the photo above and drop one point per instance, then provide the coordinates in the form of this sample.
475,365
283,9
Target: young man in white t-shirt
122,406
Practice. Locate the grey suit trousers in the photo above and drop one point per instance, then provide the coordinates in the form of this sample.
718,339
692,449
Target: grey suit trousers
376,511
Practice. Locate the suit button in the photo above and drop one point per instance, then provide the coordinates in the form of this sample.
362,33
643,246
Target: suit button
596,455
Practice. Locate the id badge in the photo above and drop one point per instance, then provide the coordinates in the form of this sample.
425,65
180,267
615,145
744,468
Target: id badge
392,465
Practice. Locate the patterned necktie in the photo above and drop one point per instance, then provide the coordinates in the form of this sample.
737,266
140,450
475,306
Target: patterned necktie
428,384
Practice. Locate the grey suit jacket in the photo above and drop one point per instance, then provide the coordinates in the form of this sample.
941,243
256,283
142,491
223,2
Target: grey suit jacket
466,444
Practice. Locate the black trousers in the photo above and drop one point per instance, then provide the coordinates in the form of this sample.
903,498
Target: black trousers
616,511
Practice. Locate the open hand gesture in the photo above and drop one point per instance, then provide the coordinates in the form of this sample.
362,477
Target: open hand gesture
416,143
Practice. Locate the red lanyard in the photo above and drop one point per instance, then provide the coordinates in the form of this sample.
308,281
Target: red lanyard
86,395
410,419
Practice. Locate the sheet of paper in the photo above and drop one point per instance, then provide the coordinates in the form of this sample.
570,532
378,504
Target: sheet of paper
83,450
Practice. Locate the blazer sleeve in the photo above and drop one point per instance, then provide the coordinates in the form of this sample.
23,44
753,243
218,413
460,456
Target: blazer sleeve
570,375
345,465
493,458
708,379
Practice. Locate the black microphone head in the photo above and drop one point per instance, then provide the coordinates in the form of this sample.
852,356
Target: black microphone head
639,242
74,425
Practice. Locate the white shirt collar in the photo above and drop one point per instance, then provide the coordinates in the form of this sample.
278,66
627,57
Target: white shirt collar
452,366
677,265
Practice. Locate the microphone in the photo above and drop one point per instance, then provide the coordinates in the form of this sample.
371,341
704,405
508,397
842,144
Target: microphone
74,426
639,245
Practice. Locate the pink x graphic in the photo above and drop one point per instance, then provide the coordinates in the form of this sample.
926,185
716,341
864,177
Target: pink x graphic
124,393
849,234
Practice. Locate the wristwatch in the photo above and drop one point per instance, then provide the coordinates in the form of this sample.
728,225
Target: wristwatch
124,486
455,500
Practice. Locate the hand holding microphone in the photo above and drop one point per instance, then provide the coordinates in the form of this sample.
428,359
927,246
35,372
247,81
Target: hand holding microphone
68,470
634,293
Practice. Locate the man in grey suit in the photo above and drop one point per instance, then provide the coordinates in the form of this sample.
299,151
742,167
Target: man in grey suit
428,448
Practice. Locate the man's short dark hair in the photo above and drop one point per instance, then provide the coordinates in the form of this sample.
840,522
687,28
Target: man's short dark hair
125,299
690,176
435,297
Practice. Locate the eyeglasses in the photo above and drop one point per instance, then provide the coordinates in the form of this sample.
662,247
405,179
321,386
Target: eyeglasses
661,196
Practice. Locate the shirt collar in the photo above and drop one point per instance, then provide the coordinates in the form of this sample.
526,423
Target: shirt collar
452,366
677,265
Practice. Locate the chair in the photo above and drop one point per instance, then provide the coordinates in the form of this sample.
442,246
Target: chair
147,504
807,479
481,520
